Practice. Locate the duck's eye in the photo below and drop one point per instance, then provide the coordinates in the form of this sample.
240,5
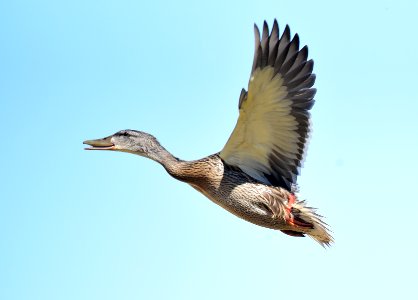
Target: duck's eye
125,134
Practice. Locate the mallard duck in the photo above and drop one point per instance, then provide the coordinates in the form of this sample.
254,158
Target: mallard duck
254,175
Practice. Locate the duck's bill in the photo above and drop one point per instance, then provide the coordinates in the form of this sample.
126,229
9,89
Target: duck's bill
100,144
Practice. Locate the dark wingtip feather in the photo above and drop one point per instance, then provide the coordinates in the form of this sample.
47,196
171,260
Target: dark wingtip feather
257,53
273,44
306,50
256,33
296,41
275,27
265,45
242,97
256,36
286,33
265,30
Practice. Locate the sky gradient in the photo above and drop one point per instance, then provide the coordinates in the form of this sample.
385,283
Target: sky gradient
101,225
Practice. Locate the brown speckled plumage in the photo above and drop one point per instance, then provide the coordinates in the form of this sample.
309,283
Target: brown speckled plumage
254,175
241,195
235,191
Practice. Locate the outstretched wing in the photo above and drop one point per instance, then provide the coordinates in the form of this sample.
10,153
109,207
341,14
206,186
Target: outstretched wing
268,141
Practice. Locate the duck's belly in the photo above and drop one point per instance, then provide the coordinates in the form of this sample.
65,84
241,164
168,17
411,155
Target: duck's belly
248,201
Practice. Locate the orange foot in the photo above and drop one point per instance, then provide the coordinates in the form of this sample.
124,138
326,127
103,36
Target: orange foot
290,201
293,218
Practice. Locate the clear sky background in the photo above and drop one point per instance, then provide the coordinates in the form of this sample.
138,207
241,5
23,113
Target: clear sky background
102,225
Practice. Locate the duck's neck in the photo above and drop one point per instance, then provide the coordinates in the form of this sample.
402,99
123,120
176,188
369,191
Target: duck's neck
171,163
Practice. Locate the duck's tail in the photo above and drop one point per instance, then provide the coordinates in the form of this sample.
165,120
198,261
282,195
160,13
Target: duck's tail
307,221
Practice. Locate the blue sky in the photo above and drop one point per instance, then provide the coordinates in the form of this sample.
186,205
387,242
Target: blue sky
99,225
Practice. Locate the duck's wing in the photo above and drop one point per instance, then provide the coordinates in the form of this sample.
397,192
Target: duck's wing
268,141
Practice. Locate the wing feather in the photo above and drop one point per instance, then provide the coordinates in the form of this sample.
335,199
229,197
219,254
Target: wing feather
268,142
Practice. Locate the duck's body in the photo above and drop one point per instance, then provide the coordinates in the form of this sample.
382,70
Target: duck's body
240,194
231,189
254,176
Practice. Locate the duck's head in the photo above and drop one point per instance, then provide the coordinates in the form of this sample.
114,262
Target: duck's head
132,141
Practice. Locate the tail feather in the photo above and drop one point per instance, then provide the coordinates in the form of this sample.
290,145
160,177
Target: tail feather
318,229
293,233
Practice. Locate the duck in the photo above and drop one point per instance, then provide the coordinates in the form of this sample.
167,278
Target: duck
254,176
